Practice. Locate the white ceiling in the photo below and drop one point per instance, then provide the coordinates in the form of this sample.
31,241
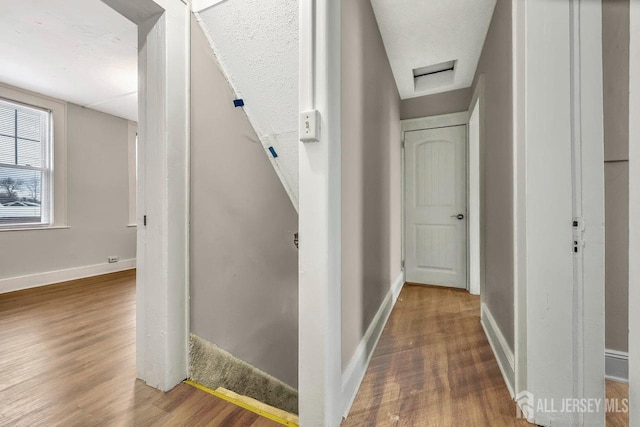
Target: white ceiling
419,33
79,51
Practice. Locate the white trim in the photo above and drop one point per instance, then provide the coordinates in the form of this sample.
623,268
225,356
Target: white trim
477,101
518,47
132,136
588,193
560,62
473,200
44,227
441,121
503,353
634,214
19,283
424,123
162,289
616,365
354,372
320,219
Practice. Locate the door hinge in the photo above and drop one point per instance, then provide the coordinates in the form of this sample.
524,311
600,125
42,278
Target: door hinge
402,264
144,220
578,234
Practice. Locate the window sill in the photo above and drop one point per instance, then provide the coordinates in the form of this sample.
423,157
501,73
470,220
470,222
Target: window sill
54,227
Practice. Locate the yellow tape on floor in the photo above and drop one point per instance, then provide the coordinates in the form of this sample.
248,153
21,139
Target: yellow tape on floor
255,406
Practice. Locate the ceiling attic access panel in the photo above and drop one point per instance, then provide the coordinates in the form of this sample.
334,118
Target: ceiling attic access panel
434,76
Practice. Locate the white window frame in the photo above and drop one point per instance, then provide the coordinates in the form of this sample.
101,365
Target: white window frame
58,162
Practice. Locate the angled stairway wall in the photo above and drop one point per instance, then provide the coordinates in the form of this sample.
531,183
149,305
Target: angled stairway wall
256,45
244,265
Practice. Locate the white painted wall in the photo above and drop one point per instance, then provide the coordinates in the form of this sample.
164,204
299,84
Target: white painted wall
97,206
265,74
634,214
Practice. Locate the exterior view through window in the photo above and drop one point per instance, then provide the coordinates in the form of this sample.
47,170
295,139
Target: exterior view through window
25,165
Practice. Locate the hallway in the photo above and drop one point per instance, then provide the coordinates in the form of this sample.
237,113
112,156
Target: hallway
433,366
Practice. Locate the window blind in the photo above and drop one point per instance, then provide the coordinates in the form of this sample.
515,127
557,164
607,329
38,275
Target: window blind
25,167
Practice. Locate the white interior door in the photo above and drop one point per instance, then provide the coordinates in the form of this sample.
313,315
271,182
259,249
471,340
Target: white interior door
435,207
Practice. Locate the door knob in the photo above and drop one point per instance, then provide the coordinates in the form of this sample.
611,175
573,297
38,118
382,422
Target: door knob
458,216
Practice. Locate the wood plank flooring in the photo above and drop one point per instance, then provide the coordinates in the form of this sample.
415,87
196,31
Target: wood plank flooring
67,358
433,366
617,391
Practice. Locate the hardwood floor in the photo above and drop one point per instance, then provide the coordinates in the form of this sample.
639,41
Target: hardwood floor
67,357
433,366
617,391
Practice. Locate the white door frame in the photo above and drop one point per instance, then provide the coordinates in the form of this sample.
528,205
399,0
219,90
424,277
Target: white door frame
477,101
320,216
162,303
558,136
426,123
634,214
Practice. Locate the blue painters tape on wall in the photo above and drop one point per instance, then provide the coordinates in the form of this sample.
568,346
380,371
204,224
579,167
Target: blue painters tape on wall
273,152
238,102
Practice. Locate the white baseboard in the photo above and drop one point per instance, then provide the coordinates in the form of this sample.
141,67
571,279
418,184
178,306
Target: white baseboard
504,355
616,365
357,367
19,283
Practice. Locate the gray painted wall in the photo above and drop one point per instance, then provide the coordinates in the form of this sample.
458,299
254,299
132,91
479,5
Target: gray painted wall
615,43
433,105
371,186
97,203
244,265
495,64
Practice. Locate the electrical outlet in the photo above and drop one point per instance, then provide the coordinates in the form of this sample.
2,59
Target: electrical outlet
113,259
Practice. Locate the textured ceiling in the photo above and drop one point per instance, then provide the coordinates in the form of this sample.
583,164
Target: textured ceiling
420,33
79,51
256,44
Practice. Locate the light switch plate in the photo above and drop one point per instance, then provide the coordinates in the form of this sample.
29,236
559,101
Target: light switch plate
309,126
